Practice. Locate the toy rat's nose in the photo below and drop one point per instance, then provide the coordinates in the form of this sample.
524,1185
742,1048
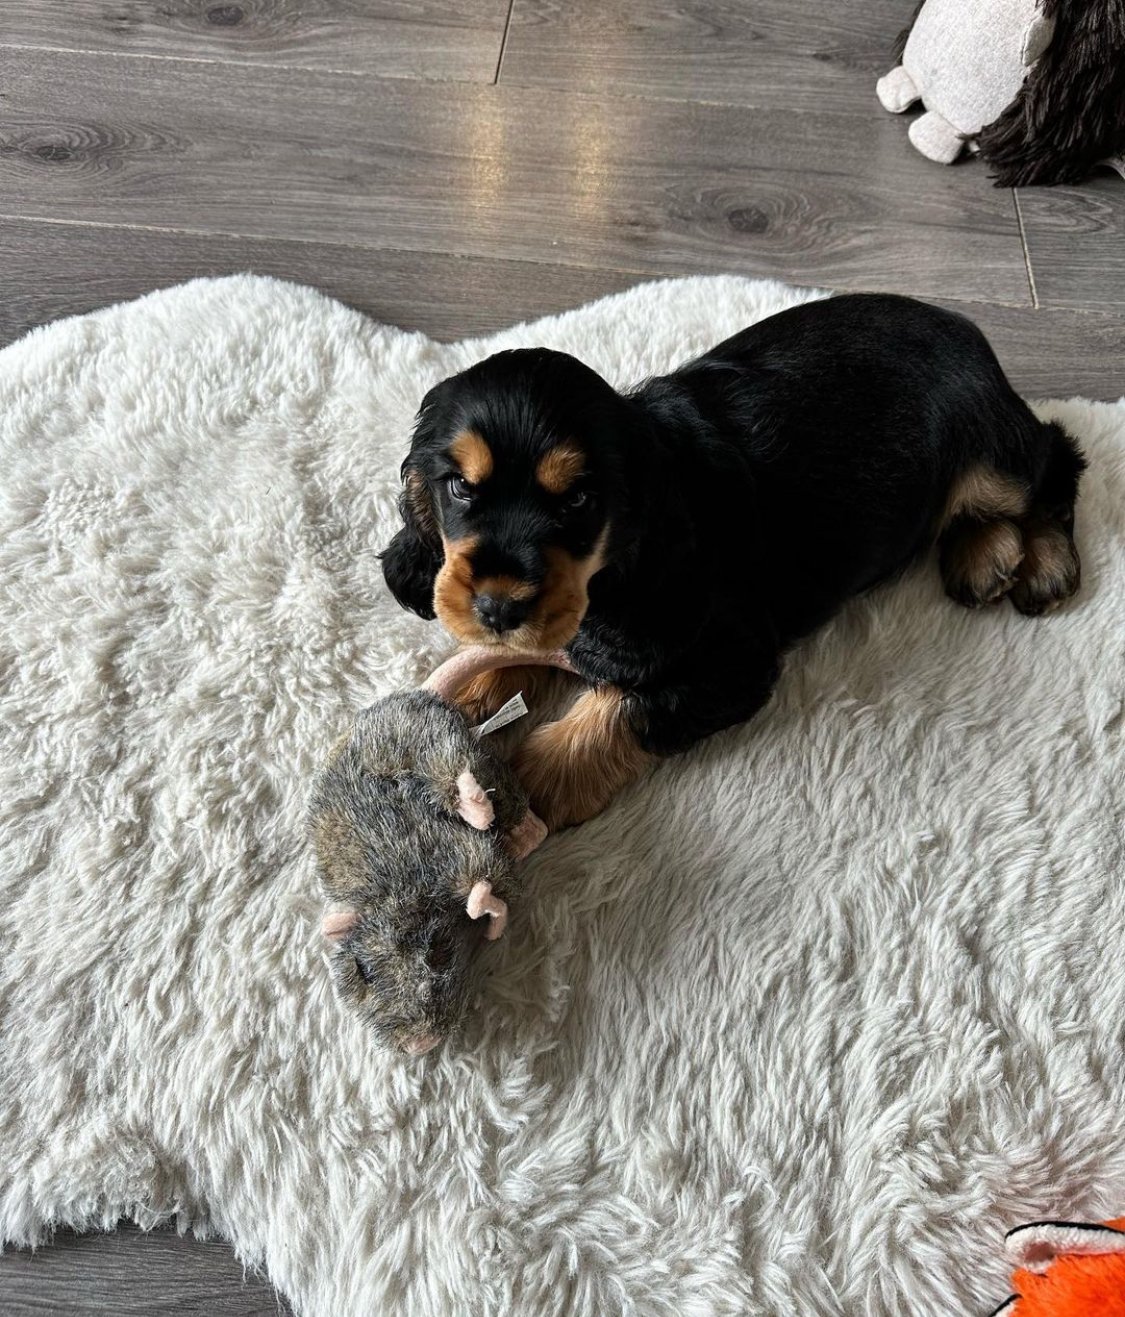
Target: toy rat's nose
500,612
422,1044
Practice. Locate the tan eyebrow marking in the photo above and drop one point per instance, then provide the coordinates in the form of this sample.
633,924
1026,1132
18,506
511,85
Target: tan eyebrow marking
472,455
559,468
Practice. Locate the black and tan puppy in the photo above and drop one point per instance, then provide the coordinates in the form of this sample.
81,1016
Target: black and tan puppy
677,538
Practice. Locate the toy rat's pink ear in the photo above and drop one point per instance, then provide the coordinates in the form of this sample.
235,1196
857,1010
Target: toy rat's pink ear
337,924
473,803
482,902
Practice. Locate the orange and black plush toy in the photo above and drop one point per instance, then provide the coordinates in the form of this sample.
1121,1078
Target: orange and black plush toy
1066,1269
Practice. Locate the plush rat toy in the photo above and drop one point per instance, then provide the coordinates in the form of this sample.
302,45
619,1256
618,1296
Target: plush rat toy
1036,86
418,827
1066,1269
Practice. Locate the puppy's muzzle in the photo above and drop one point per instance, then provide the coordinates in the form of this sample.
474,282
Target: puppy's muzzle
500,612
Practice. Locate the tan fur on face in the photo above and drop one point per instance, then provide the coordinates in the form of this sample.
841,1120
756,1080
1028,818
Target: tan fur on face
453,590
574,767
984,493
559,468
472,455
558,611
563,599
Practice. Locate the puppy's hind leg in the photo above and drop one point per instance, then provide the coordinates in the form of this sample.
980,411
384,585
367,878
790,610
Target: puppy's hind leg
980,560
1050,572
981,547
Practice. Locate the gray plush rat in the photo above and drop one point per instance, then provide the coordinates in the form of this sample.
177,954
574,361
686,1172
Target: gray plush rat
418,828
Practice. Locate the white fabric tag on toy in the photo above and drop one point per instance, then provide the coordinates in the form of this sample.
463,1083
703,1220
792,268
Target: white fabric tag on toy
508,713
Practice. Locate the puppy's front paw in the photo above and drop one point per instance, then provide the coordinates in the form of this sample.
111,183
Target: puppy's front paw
574,767
980,560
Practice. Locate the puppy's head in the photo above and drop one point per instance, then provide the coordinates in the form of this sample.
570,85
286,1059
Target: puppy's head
510,489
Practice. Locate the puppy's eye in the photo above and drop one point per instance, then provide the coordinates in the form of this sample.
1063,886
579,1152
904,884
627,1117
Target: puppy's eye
577,501
459,489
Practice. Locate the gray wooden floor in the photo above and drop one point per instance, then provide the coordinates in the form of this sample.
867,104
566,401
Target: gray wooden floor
456,165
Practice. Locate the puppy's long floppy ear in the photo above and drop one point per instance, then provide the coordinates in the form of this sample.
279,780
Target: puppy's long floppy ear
414,557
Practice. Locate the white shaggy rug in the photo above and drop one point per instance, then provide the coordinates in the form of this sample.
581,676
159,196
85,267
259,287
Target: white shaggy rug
801,1025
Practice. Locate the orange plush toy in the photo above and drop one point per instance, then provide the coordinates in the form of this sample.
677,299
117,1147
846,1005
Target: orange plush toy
1066,1269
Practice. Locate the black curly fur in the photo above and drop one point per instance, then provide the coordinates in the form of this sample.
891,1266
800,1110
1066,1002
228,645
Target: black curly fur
1070,112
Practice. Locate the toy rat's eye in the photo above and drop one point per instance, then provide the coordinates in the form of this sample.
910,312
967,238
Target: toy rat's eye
364,972
459,489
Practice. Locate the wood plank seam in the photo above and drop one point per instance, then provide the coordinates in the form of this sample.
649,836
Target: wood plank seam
503,42
642,275
1026,251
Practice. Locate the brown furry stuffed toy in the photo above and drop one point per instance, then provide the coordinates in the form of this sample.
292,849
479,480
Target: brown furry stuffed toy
418,828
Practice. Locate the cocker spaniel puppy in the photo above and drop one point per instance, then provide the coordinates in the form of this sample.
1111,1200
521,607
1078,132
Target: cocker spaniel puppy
677,538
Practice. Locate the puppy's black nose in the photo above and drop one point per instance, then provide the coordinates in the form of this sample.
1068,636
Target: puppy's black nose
500,612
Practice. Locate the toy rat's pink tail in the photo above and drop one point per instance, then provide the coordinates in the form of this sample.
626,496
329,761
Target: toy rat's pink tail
466,664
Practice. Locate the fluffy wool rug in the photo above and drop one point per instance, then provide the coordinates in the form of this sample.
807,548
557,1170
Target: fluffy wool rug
801,1025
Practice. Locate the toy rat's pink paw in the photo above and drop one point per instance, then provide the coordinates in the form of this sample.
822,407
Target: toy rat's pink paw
473,803
422,1044
337,924
528,834
482,902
